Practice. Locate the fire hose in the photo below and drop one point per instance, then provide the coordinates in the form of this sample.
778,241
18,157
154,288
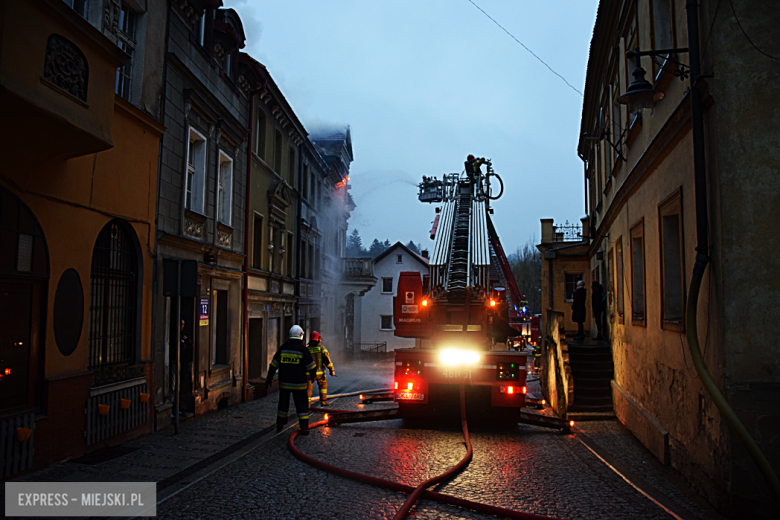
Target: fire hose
421,491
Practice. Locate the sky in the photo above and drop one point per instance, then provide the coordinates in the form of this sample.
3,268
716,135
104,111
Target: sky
424,83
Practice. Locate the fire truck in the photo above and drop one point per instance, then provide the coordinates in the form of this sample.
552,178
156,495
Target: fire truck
467,313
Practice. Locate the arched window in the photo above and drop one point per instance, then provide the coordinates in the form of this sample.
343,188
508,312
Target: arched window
113,312
24,273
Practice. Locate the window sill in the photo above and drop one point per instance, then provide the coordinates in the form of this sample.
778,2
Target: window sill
677,326
638,322
195,216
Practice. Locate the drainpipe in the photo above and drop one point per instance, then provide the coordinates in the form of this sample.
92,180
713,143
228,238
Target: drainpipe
248,184
702,259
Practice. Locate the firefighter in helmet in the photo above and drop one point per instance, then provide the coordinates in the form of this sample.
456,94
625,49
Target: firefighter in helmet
322,359
473,171
294,362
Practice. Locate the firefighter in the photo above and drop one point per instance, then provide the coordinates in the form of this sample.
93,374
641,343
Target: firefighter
293,361
473,165
322,359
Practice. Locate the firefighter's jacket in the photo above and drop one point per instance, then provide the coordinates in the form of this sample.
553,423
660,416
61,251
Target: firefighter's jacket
293,362
321,357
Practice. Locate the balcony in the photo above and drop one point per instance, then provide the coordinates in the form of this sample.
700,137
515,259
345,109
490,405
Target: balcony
57,77
357,275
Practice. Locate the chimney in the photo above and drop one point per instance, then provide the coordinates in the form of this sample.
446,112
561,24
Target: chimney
424,253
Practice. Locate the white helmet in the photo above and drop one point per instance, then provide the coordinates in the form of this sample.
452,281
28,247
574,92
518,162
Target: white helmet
296,332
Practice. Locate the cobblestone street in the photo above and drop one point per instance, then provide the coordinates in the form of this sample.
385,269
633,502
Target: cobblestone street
232,464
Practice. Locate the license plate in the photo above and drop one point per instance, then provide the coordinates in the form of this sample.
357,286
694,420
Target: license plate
410,396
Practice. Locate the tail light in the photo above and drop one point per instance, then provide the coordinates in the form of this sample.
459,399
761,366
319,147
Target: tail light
396,385
425,302
512,390
410,386
525,390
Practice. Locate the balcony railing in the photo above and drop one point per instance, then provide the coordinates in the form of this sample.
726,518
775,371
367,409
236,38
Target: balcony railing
567,232
358,267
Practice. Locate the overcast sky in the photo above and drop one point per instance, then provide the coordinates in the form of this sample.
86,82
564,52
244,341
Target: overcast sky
424,83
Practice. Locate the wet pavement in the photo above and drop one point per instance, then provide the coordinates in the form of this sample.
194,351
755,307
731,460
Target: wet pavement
233,464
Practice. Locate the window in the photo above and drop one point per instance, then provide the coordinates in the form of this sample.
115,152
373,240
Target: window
229,65
304,260
289,253
291,167
611,277
399,259
257,242
310,263
278,152
80,6
113,298
386,322
220,352
387,285
570,285
619,275
305,188
225,186
272,246
317,273
672,279
24,271
662,28
638,274
196,172
200,31
126,42
258,146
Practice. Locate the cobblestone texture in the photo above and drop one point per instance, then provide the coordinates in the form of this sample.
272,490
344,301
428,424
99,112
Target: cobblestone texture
525,468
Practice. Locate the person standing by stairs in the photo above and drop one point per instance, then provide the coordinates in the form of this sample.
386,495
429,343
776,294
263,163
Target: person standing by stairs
597,303
578,309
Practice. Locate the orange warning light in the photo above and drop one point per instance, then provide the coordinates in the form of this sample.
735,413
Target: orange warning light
7,371
492,302
571,424
425,303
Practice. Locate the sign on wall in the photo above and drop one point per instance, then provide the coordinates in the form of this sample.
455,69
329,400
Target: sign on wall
204,312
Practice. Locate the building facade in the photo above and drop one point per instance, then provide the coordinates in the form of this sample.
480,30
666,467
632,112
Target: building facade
564,263
277,136
374,310
201,210
647,224
81,109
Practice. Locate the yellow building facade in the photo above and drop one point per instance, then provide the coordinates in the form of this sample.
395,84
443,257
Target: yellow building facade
646,225
77,205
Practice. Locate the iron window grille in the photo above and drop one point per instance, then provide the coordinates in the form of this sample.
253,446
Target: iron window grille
113,298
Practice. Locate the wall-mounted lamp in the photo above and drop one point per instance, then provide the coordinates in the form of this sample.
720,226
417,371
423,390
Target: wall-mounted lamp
640,94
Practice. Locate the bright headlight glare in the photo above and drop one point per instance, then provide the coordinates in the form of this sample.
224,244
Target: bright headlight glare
453,356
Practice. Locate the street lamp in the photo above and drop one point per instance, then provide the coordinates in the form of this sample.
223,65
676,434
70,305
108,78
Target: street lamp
640,94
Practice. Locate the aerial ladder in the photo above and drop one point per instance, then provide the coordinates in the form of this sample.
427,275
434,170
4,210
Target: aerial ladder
460,312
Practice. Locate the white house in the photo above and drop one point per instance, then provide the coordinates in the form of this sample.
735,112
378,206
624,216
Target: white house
374,310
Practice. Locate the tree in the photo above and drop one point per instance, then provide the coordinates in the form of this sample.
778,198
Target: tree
355,245
376,248
526,264
386,245
414,247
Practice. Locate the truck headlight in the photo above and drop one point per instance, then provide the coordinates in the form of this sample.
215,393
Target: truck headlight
453,356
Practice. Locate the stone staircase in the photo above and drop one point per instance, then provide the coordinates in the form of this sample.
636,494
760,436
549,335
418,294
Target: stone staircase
592,372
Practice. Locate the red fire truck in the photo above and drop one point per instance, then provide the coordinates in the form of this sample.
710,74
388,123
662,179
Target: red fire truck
464,311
